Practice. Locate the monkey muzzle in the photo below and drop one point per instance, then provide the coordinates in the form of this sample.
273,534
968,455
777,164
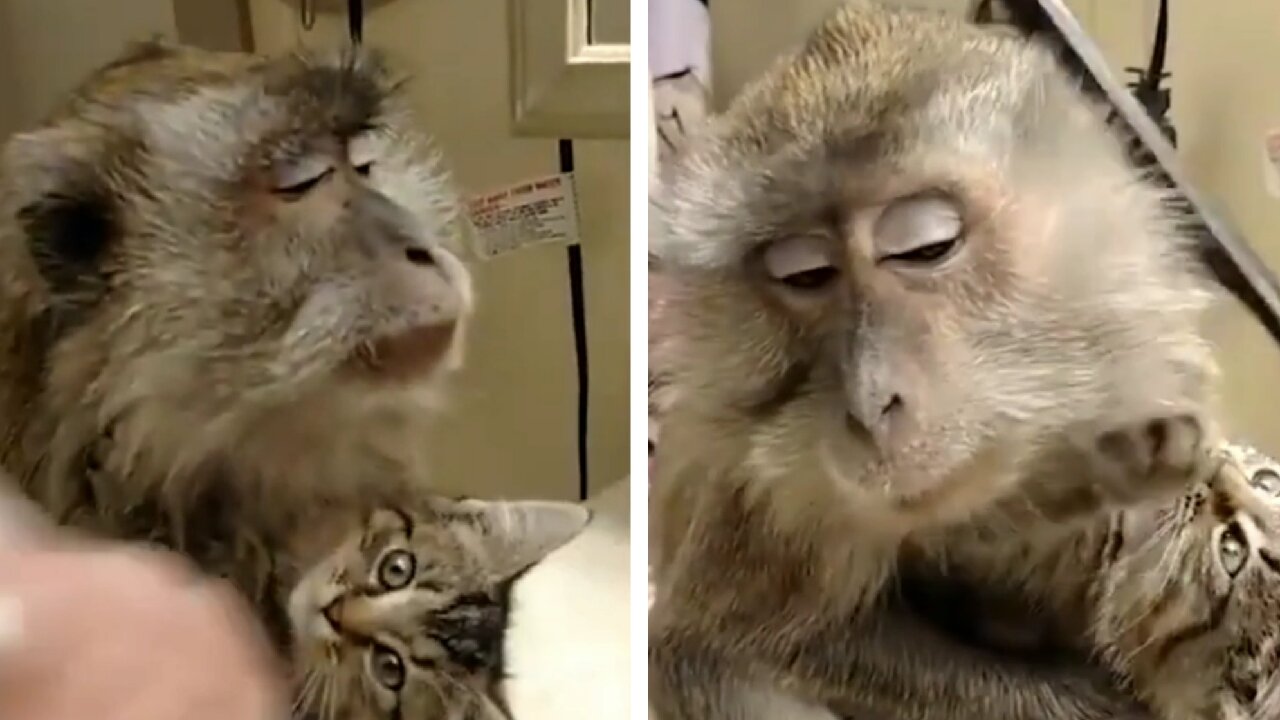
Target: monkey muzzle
422,308
408,354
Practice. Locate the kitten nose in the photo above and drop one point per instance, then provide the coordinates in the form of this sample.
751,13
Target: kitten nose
332,615
353,617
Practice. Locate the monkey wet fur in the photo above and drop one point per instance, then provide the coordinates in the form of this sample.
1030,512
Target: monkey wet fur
907,269
229,290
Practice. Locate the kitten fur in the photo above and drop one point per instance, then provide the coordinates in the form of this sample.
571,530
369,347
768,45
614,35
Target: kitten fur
1069,314
230,288
1188,608
407,616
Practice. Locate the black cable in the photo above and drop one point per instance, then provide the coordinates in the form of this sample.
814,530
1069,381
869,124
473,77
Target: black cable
578,307
1155,69
1146,87
355,20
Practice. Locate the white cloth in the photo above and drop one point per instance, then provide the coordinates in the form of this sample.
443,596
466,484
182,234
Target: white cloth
569,637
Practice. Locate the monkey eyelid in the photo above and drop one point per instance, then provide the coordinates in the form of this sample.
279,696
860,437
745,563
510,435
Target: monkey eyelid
299,188
796,255
917,223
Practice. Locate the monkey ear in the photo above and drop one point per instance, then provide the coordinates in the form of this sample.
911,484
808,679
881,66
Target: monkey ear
520,534
50,160
156,47
63,205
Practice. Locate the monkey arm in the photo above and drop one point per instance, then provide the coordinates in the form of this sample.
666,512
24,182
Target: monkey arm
901,668
749,617
739,640
889,666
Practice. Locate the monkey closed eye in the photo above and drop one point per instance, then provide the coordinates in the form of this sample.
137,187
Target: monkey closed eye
295,180
802,264
918,232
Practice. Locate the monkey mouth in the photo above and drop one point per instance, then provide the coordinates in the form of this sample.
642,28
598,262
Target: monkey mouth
406,355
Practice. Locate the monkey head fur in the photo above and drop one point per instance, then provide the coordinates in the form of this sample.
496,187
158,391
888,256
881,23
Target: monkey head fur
221,266
903,262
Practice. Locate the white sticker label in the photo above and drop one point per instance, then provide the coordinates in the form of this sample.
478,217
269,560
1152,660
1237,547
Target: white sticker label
534,212
1271,163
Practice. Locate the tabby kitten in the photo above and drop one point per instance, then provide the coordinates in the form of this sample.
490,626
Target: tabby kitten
406,617
1190,612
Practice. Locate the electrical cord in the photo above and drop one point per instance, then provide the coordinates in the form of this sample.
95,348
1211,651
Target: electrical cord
1146,86
355,21
577,302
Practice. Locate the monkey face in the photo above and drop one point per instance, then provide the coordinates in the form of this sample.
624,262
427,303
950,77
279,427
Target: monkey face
223,231
909,257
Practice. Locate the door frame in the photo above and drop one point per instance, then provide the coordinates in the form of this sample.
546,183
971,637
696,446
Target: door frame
562,84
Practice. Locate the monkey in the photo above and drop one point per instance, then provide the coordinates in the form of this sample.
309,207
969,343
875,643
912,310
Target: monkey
232,290
921,312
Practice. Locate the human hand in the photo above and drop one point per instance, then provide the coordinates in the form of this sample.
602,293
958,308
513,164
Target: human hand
113,633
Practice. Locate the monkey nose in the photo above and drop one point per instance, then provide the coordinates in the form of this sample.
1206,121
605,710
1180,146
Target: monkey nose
419,256
877,423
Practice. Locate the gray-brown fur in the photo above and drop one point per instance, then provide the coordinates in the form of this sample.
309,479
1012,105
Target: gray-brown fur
229,289
1066,310
406,617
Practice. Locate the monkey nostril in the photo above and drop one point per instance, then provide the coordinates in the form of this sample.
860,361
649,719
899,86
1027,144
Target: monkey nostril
895,403
419,256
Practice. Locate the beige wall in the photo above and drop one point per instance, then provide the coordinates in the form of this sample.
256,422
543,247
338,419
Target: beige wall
513,427
47,46
1224,57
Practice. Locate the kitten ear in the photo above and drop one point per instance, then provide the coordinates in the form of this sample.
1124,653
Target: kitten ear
520,534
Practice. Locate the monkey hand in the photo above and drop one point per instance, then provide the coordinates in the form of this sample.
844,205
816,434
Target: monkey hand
1156,458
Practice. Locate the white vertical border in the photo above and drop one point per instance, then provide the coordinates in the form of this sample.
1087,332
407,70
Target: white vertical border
643,150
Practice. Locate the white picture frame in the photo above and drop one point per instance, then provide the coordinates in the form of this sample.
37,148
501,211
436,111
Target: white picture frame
562,84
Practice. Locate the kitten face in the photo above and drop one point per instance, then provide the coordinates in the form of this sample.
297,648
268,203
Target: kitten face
1198,600
406,617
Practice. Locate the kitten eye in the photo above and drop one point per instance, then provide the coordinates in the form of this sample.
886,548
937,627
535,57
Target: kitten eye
1268,481
918,231
295,181
386,667
396,569
801,263
1232,549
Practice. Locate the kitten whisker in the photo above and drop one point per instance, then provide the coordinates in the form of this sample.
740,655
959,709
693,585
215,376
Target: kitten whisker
302,697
